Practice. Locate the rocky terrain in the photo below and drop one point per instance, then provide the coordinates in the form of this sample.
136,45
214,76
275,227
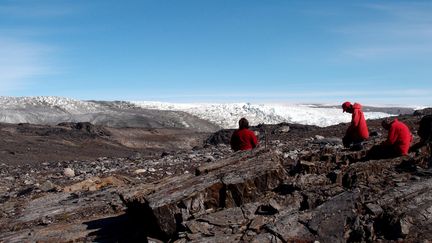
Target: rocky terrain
32,144
123,185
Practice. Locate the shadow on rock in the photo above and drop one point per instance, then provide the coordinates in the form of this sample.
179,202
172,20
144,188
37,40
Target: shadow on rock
121,228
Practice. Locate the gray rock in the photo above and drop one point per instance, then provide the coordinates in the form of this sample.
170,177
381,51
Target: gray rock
328,220
47,186
405,224
319,137
283,129
289,229
209,158
374,209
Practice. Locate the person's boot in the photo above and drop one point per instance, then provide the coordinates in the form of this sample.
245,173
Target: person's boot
357,147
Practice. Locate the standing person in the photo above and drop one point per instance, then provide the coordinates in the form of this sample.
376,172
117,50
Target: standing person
243,138
399,137
358,131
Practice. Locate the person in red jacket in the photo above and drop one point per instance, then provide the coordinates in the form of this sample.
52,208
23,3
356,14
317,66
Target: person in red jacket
243,138
397,144
358,131
399,137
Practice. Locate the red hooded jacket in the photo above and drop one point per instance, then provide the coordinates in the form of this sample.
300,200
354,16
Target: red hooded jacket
399,136
243,139
358,129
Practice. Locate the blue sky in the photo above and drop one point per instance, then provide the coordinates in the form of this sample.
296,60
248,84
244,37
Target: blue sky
373,52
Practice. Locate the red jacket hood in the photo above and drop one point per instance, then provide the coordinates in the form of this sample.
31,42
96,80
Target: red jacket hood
357,106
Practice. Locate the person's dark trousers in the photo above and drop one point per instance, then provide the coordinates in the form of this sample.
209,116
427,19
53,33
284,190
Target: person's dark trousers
382,152
354,145
346,141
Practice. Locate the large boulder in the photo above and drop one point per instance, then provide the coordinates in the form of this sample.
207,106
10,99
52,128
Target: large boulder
165,205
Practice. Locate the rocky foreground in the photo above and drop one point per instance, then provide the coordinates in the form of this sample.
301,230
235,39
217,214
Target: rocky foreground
301,185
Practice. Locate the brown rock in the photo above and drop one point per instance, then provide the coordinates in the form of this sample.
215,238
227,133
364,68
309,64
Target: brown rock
95,183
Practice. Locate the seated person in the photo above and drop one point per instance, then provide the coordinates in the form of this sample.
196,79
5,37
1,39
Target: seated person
243,138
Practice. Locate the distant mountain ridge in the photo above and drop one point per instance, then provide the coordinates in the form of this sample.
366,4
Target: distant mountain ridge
53,110
148,114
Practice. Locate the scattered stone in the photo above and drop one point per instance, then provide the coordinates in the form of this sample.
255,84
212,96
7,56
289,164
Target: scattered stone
28,182
319,137
46,221
68,172
48,186
209,158
283,129
374,209
95,184
140,171
136,156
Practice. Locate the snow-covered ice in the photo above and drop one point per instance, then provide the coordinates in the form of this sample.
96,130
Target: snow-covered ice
41,109
68,105
227,115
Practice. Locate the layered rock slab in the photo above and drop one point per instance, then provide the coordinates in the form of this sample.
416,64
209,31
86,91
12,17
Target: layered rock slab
406,211
165,205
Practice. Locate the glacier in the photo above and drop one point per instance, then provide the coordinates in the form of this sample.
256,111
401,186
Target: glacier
52,110
227,115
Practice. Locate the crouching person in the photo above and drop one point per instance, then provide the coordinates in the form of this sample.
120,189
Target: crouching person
243,138
398,141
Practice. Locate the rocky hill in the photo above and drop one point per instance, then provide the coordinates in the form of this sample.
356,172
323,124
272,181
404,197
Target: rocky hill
54,110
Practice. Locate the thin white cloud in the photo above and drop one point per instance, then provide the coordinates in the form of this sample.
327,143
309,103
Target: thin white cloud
28,10
403,30
390,51
22,61
310,94
411,11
